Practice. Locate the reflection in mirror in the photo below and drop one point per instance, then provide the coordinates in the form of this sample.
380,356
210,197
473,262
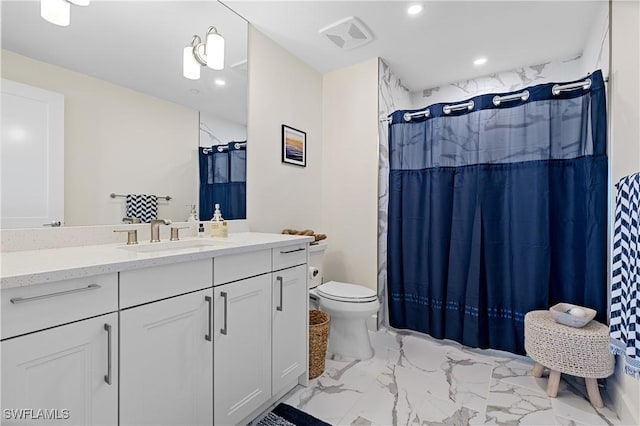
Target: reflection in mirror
129,121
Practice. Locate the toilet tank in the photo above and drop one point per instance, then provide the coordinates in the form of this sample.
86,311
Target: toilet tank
316,258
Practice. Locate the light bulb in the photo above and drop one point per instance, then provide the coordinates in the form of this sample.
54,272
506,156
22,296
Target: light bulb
415,9
56,11
190,67
215,51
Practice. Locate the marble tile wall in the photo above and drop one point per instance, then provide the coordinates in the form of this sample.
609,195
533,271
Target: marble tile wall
392,95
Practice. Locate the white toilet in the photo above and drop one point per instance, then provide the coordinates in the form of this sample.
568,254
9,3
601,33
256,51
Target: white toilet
348,305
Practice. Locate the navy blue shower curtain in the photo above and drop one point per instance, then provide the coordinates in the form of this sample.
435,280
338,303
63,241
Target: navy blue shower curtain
223,180
498,211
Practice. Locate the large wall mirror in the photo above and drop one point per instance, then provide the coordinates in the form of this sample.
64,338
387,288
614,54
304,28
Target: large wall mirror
132,123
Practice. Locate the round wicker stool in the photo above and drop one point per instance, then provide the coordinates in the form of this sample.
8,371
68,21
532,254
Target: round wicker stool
582,352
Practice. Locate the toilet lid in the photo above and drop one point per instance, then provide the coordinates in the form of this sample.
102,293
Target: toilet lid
344,292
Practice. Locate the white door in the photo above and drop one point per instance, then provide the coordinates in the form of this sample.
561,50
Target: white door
166,363
242,348
32,154
69,372
290,318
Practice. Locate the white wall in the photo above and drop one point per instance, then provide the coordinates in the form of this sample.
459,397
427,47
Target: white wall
625,155
216,131
350,173
282,90
595,53
116,140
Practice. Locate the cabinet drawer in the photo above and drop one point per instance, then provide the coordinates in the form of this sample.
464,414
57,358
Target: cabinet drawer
159,282
235,267
27,309
288,256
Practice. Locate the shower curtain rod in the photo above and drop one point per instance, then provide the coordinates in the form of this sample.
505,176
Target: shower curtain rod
448,109
221,148
497,100
557,88
523,96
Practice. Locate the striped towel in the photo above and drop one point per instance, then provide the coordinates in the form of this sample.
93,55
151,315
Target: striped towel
144,207
624,324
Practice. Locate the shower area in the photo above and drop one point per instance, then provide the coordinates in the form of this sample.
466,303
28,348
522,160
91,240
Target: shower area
492,199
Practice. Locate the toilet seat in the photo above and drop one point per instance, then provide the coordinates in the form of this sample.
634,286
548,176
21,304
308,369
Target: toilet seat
349,293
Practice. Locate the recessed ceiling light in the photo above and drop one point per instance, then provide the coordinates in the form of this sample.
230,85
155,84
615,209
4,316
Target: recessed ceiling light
480,61
220,82
415,9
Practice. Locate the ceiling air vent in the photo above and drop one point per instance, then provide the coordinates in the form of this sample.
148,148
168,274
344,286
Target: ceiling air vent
347,33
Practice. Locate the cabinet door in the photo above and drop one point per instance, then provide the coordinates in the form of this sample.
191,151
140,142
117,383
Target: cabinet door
61,375
289,313
242,348
166,362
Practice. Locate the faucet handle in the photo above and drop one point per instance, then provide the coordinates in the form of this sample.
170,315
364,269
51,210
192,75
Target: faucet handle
132,235
175,232
161,221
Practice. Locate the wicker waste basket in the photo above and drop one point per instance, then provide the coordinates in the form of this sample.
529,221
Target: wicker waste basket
318,336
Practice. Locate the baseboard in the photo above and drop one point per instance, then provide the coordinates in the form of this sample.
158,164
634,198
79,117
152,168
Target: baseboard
621,403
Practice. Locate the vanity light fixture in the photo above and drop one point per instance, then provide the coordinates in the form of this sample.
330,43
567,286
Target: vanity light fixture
199,53
59,11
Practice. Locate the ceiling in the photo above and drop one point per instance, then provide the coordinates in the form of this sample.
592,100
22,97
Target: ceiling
139,45
436,47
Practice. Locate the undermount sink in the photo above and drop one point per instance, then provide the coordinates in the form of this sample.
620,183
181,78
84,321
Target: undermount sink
176,245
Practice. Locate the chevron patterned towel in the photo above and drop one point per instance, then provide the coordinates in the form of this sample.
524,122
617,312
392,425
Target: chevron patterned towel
144,207
624,325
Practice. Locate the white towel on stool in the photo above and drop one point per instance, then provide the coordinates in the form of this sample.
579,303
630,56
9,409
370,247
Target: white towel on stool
142,206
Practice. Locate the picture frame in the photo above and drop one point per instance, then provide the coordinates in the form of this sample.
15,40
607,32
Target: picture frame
294,146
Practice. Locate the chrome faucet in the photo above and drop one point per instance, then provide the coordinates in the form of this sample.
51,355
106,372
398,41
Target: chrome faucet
155,228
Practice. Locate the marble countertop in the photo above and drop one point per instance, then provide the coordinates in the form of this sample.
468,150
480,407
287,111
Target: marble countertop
29,267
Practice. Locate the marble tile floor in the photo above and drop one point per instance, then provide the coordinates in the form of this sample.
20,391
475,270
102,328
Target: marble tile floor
416,380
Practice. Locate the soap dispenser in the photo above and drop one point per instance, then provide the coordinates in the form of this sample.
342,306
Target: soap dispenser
218,224
193,215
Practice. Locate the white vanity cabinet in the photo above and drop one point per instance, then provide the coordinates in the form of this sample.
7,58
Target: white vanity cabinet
197,341
260,329
242,335
166,352
289,326
59,352
70,371
242,348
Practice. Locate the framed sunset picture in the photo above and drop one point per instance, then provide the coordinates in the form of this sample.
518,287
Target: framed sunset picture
294,146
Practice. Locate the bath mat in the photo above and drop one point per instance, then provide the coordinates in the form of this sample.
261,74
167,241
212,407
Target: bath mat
286,415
